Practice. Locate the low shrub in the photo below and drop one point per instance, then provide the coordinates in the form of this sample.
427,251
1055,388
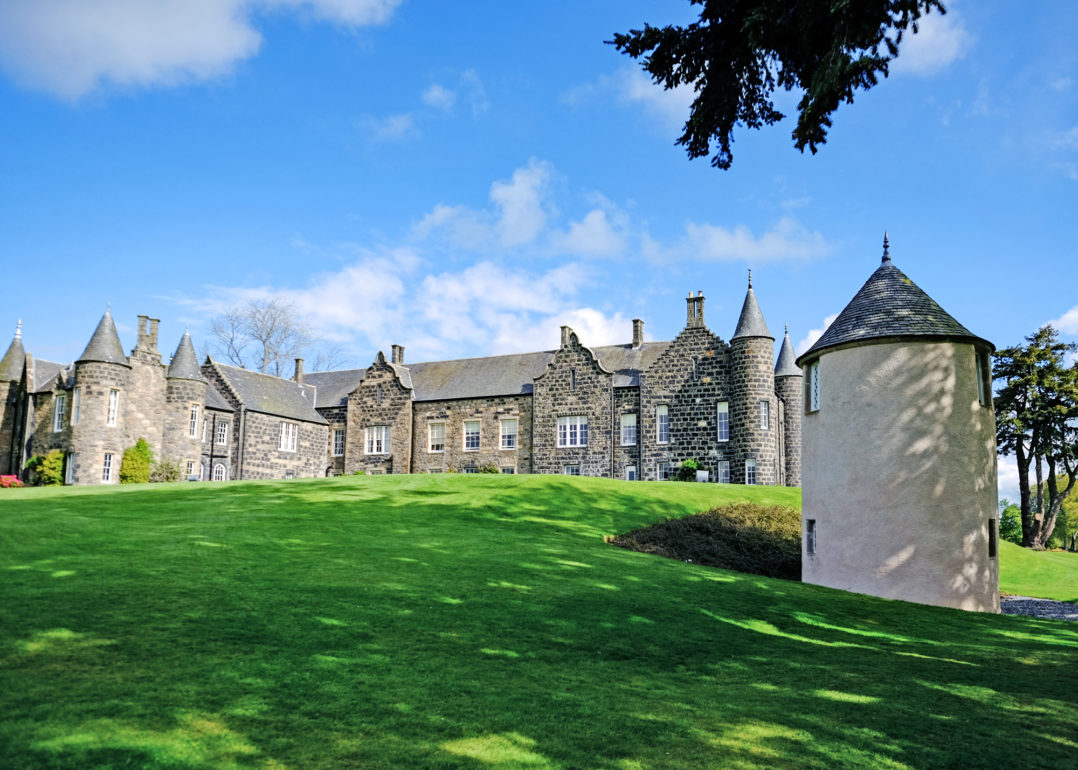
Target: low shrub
747,537
165,470
489,468
687,471
135,466
46,470
8,481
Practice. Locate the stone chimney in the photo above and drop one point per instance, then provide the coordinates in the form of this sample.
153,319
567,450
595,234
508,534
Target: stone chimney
140,341
638,333
695,310
565,334
154,322
298,376
398,354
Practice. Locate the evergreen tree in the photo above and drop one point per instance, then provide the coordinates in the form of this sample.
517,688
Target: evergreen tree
135,466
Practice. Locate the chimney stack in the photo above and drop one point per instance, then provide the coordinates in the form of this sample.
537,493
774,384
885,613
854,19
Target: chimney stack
398,354
153,333
695,309
140,341
298,376
565,332
638,333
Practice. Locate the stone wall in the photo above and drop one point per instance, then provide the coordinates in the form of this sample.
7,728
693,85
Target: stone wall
626,401
574,384
337,417
143,403
263,458
753,381
10,394
177,443
380,399
792,396
211,453
92,438
489,412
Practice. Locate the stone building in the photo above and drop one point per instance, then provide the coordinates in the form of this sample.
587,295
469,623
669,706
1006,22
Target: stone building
899,443
631,411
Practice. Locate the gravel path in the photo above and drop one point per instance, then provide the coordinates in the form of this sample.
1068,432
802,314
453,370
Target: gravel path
1038,608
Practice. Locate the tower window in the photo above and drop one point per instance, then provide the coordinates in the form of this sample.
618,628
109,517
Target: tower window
114,407
810,536
192,430
812,384
76,405
765,415
58,414
723,421
750,471
993,538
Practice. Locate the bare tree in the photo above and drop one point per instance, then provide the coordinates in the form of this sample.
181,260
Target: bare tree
262,334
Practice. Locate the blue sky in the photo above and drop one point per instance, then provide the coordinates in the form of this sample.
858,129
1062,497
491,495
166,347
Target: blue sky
463,178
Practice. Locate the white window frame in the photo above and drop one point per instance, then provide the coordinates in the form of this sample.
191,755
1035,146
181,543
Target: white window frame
338,442
69,468
722,471
509,470
76,405
570,469
433,446
205,427
509,437
662,424
289,434
628,429
190,468
750,471
471,436
114,407
377,440
221,439
573,431
192,428
630,473
470,469
663,471
765,414
58,413
722,421
106,468
219,473
812,382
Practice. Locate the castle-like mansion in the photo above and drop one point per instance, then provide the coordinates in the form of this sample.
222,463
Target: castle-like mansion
632,411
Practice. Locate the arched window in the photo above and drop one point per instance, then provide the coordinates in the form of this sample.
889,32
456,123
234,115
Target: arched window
218,472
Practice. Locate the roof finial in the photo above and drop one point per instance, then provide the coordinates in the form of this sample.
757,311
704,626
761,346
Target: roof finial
787,330
886,248
750,277
18,330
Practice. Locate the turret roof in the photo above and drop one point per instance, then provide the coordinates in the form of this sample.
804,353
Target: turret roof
751,323
890,305
105,344
12,362
787,366
184,364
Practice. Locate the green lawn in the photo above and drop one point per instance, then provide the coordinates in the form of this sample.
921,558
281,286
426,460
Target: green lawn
1045,574
478,622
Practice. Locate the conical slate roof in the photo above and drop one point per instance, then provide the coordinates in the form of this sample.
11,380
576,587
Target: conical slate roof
11,363
751,323
184,364
890,305
105,344
787,366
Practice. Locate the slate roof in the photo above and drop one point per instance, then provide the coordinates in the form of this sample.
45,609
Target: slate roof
184,364
627,363
214,400
11,363
105,344
751,322
890,305
272,395
43,373
787,366
334,387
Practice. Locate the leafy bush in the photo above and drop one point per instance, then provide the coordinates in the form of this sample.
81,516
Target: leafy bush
165,470
359,473
489,468
135,466
7,481
1010,522
46,470
687,471
759,539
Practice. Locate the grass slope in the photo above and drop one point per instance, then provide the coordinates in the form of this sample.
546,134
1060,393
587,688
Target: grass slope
470,621
1044,574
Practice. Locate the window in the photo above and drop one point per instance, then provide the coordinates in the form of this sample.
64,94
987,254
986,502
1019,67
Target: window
106,469
750,471
984,379
993,538
338,442
58,413
722,471
205,427
765,415
664,471
289,431
192,429
810,536
628,429
219,472
378,440
573,431
630,473
662,424
222,433
471,435
69,468
812,382
570,470
114,407
471,469
190,468
509,434
287,474
379,396
202,471
509,471
76,405
723,421
572,379
436,442
434,470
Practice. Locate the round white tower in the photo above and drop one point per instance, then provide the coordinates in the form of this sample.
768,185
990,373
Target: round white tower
899,452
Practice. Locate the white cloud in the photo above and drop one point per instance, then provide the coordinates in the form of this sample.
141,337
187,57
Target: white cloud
521,211
814,334
1068,322
390,128
474,92
1007,480
788,239
671,106
1067,140
439,97
593,236
72,47
940,40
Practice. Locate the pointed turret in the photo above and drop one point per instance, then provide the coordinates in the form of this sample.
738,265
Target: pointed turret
105,344
786,366
751,323
11,363
184,365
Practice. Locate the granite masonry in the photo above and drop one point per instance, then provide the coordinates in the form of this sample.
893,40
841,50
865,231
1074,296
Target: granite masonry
634,411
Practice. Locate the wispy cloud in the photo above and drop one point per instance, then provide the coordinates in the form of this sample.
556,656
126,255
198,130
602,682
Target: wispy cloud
631,86
788,239
390,128
814,334
1068,322
72,47
939,41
